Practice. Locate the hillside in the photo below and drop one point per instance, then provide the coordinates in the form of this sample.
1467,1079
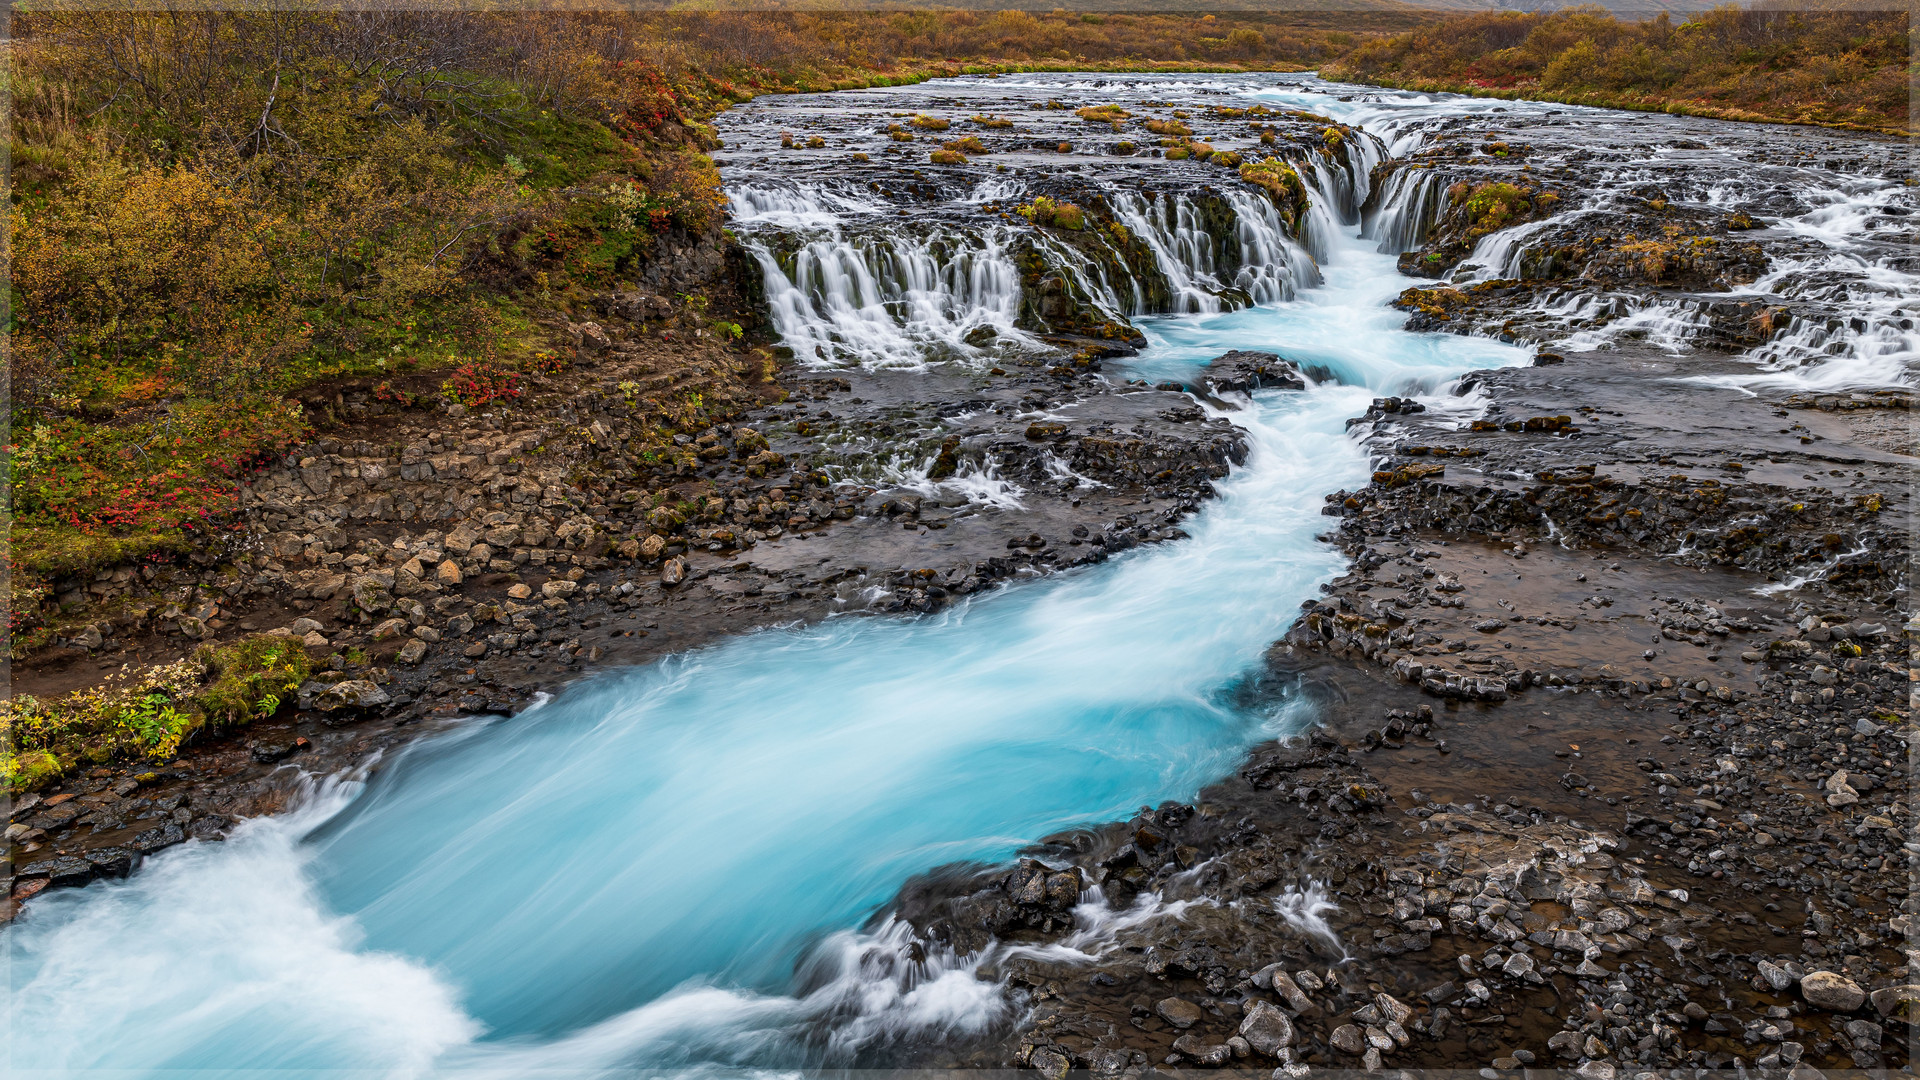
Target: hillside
1847,69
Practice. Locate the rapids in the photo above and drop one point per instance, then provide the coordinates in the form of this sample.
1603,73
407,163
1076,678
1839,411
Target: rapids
688,865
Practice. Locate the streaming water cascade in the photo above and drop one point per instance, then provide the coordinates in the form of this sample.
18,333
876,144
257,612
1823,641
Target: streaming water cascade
678,866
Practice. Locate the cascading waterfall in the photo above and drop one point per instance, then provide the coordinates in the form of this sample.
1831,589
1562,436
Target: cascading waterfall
1406,211
1501,254
846,285
1272,267
1181,245
891,300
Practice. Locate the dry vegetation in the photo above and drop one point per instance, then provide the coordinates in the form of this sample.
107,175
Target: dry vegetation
1836,68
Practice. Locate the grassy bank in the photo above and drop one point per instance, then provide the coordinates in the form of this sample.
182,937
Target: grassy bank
216,215
1841,69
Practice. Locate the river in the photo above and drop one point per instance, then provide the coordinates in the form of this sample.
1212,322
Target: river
680,866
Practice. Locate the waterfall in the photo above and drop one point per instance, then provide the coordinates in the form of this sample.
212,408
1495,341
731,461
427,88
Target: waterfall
1404,210
848,281
891,300
1183,250
1498,254
1272,267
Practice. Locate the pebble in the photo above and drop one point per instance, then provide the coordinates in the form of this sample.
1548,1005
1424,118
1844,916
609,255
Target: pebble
1179,1012
1348,1038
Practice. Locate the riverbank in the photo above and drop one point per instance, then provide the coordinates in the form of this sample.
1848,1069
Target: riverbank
1577,799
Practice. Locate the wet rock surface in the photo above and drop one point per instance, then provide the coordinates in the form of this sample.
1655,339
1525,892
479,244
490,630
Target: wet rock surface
1575,230
1584,794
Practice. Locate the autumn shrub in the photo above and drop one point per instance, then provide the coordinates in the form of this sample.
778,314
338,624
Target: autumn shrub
1053,213
1492,206
1103,114
479,383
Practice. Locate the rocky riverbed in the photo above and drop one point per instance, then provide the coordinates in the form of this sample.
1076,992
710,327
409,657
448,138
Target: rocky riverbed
1610,770
1580,799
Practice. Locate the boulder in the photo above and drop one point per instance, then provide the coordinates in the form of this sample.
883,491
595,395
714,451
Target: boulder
1348,1039
1897,1000
1266,1028
1831,991
354,694
1244,372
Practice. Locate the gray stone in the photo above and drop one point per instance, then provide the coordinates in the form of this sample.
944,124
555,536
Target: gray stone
1777,977
1290,992
1890,1000
673,572
351,694
1266,1028
414,651
1178,1012
1197,1048
1395,1010
1864,1031
1831,991
1051,1063
1348,1039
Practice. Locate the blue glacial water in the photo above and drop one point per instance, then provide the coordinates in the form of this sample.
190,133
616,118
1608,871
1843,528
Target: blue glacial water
678,865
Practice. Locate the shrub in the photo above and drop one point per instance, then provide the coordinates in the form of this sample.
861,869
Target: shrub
1054,213
1171,128
947,157
929,123
480,382
148,714
1103,114
968,145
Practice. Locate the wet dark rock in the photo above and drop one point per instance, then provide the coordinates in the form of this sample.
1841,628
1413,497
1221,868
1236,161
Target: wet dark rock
1266,1028
1180,1013
1244,372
